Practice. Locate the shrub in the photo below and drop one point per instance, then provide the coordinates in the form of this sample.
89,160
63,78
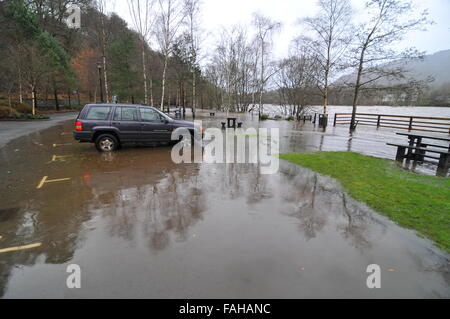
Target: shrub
290,118
277,117
4,111
22,107
37,117
264,117
17,106
17,116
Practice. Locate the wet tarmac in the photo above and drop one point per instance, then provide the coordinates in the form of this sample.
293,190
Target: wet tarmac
140,226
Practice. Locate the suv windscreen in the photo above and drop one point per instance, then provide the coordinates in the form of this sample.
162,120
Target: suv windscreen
98,113
125,114
149,115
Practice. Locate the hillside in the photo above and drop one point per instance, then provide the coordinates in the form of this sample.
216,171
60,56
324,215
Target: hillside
436,65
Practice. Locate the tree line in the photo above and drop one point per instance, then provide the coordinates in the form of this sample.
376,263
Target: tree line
160,58
45,59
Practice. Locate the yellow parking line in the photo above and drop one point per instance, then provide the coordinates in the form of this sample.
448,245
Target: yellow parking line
58,145
42,182
56,158
45,180
7,250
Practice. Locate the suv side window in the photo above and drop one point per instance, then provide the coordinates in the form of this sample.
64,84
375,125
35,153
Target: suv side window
149,115
125,114
99,113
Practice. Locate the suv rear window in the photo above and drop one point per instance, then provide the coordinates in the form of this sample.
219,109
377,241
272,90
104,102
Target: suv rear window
98,113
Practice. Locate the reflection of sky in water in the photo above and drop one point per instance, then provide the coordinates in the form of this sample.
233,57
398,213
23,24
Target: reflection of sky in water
141,226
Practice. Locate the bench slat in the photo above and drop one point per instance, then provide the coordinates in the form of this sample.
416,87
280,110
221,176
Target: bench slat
419,148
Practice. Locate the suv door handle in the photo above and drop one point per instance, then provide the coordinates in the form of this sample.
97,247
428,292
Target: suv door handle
116,123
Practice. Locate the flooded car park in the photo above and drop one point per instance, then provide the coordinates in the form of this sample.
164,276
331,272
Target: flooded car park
140,226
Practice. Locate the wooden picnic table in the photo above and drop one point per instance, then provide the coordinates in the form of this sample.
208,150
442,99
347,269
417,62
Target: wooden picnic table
418,135
417,149
231,120
416,138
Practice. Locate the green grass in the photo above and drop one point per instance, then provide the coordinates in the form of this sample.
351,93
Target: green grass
411,200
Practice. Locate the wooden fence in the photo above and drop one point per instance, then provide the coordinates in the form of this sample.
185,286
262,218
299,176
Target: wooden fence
416,123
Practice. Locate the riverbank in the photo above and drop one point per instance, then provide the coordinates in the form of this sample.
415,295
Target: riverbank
411,200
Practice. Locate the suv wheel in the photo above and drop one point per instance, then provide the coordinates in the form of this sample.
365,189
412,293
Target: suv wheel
106,143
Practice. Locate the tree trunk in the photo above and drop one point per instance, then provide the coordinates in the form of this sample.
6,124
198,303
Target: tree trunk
144,70
164,82
105,72
20,86
325,100
46,96
55,94
356,93
261,109
183,100
151,92
194,88
325,92
34,99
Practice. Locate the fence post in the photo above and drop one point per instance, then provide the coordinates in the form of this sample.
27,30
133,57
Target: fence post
335,118
410,123
379,121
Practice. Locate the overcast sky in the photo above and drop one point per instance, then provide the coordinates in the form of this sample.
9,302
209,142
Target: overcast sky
217,14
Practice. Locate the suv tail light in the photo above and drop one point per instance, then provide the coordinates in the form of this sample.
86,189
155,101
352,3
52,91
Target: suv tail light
78,126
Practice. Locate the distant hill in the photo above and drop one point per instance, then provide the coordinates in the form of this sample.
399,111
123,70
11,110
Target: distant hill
436,65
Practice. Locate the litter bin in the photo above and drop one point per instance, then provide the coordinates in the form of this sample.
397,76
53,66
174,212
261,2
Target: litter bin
323,120
178,114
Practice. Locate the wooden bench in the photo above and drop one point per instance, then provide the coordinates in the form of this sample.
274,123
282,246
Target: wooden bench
405,151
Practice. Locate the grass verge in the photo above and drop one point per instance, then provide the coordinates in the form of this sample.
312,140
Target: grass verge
411,200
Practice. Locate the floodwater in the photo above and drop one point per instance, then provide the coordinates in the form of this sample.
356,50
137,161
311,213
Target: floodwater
427,111
140,226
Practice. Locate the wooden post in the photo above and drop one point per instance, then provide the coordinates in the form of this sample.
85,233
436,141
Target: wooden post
411,123
400,154
335,118
443,162
379,121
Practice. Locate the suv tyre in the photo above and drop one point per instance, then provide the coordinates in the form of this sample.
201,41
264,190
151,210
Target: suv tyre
106,143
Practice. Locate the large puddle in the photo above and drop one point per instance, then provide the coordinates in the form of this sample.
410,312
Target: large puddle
140,226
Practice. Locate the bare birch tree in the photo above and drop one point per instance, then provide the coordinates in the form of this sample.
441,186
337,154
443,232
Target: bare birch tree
388,23
296,79
170,19
265,29
231,63
192,12
102,7
330,31
143,18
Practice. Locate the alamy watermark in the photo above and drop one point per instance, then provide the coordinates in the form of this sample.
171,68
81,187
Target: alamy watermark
231,146
73,20
374,279
73,281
